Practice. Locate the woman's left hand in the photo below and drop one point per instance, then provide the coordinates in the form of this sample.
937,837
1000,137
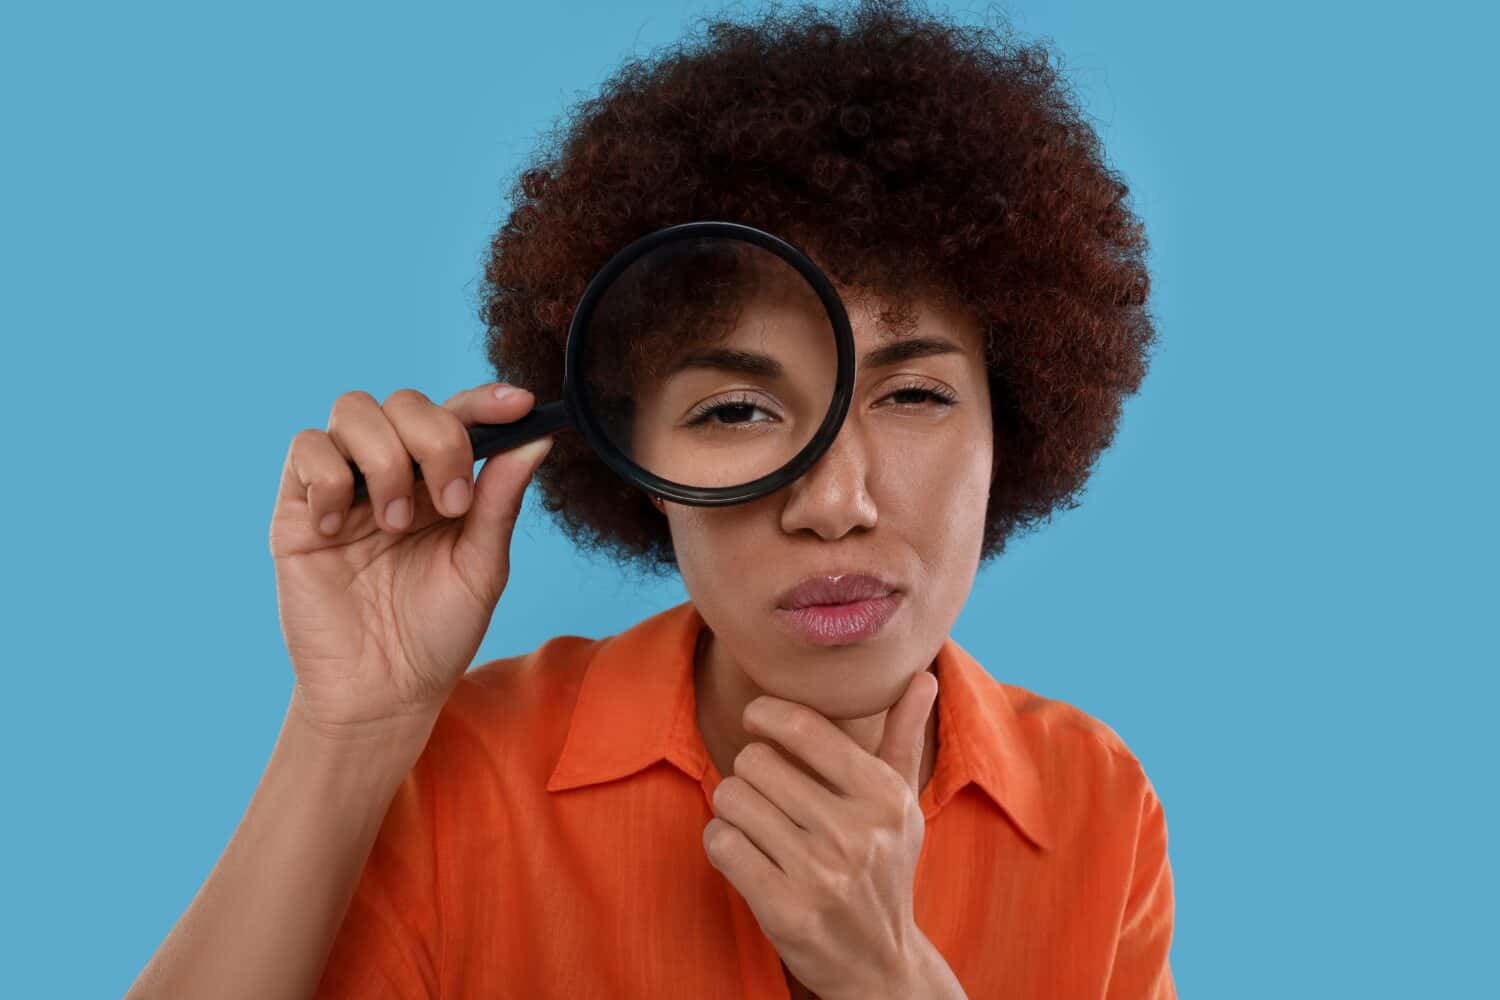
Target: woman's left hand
828,871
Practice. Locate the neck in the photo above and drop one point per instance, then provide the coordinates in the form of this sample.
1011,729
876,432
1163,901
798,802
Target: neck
723,690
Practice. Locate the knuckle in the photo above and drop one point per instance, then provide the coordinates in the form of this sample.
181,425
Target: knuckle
841,846
796,724
446,439
354,397
834,884
387,466
436,438
851,850
405,396
752,755
728,791
333,481
421,442
792,921
455,434
305,436
303,443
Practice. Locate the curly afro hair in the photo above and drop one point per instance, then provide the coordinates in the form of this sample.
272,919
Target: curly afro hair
934,158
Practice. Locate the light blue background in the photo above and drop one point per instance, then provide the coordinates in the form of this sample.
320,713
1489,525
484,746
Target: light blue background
215,221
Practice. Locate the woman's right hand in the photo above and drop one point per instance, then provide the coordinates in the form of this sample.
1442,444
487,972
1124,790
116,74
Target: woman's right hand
383,604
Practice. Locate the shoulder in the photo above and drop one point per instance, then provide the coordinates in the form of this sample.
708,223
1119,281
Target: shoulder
526,684
1085,769
514,710
1061,728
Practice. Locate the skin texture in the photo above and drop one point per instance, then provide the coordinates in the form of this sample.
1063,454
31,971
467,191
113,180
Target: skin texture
900,494
817,820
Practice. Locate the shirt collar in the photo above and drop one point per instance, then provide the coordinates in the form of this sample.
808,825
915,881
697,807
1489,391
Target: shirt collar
636,706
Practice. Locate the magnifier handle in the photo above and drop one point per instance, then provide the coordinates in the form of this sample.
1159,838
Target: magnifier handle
491,439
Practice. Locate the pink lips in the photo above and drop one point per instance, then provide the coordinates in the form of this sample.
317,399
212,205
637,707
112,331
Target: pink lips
835,610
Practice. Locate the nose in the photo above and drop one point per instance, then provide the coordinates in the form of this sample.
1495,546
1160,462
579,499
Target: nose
832,499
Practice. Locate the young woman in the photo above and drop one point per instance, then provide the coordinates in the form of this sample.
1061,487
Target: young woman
733,798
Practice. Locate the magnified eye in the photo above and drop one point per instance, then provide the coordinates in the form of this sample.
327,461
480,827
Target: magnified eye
727,413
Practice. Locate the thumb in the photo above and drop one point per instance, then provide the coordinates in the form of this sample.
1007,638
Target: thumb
902,742
482,551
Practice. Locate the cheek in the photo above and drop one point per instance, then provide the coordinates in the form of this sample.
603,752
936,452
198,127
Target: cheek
940,496
711,548
944,477
960,490
689,541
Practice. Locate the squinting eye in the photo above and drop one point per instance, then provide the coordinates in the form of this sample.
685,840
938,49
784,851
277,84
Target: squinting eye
922,395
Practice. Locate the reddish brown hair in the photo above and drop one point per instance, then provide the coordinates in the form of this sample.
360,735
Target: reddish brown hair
935,158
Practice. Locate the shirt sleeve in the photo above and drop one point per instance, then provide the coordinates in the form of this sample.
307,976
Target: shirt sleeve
388,946
1142,970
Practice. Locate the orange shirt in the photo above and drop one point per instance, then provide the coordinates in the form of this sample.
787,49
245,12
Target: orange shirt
549,843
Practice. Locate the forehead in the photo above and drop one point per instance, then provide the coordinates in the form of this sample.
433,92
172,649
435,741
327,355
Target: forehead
916,306
877,316
888,329
878,319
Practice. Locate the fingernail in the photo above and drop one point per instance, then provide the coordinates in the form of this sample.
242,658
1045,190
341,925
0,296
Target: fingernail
456,496
398,512
532,452
330,523
505,391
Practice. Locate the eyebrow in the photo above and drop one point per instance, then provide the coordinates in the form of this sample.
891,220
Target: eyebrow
726,359
751,363
908,348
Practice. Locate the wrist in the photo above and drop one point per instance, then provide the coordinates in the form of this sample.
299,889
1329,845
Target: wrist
926,975
391,744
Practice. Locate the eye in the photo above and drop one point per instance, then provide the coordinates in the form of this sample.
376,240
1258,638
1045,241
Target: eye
916,395
727,413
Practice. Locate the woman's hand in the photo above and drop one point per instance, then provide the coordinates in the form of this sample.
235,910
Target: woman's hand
828,871
383,605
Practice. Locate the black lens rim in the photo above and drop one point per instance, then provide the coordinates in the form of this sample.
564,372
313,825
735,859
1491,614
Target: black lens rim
587,424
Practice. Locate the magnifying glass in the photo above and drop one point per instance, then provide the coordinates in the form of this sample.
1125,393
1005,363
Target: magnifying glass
711,363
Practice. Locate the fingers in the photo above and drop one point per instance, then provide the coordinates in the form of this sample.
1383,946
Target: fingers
439,442
491,403
384,441
321,474
363,432
482,552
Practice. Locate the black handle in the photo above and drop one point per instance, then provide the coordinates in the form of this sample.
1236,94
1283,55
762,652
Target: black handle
491,439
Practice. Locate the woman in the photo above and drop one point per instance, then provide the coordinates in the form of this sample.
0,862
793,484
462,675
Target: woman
727,799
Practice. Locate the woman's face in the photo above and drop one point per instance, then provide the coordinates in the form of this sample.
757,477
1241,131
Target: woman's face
900,495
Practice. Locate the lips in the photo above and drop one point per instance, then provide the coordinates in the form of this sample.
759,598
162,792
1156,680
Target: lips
845,588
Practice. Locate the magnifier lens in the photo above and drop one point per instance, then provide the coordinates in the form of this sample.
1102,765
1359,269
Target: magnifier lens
710,362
